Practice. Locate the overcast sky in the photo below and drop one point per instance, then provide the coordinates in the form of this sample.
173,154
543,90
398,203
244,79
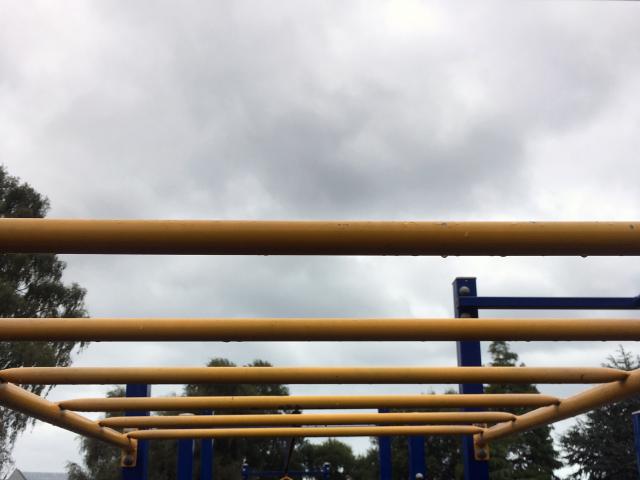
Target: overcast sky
322,110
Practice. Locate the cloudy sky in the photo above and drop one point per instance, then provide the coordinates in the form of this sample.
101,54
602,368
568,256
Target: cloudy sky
399,110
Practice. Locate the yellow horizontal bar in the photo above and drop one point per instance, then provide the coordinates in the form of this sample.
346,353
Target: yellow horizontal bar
295,402
425,418
20,400
304,432
569,407
316,329
318,238
307,375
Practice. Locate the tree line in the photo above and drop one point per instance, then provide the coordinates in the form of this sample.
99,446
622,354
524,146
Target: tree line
599,446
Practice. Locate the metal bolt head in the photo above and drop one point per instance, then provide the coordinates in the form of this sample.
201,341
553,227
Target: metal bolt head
481,453
464,290
128,460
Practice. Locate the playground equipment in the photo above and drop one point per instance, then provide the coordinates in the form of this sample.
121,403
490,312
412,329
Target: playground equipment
322,238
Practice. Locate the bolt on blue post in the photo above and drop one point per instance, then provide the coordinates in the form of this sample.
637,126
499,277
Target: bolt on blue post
469,355
384,453
141,470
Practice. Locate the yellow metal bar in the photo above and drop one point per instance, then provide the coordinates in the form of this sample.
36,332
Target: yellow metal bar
318,238
295,402
425,418
304,432
569,407
307,375
316,329
20,400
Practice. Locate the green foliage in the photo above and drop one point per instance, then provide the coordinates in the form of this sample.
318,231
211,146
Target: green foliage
337,453
31,286
443,455
531,454
601,443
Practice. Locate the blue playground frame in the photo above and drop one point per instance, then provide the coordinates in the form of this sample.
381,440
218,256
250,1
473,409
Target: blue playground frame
467,304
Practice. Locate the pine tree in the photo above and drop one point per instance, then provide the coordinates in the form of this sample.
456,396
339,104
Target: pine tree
31,286
531,454
601,444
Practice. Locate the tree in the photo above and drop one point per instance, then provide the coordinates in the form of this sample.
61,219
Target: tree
367,466
338,454
601,444
531,454
31,286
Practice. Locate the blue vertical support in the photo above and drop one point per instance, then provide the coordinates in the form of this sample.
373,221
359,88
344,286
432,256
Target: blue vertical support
469,355
636,435
384,453
185,459
141,470
206,455
326,470
417,460
245,471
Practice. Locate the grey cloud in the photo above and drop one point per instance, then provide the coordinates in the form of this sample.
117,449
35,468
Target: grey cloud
208,101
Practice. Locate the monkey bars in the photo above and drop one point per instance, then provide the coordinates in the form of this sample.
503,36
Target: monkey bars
171,434
317,329
308,375
320,238
20,235
181,421
296,402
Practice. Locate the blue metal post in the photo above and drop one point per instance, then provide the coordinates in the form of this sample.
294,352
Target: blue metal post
469,355
326,470
636,434
384,453
141,470
185,459
417,460
245,471
206,455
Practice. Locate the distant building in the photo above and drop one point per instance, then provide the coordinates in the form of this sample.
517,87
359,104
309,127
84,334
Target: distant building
19,475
